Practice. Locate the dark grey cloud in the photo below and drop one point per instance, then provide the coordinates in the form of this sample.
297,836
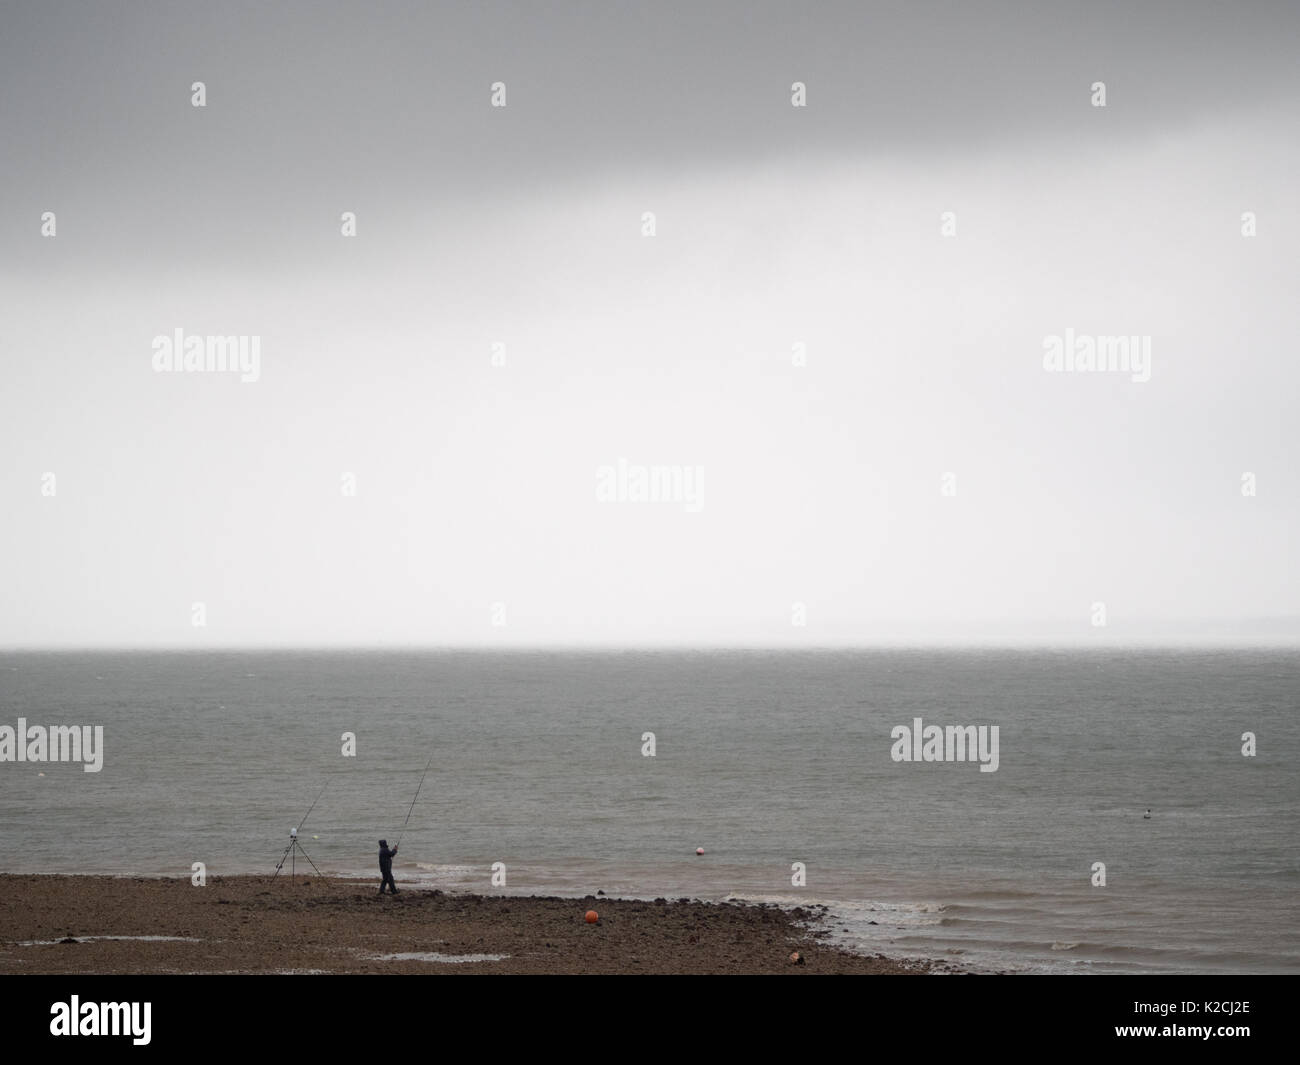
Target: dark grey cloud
385,106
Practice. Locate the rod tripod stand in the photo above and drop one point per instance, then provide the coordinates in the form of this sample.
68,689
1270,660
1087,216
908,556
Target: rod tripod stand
295,848
291,852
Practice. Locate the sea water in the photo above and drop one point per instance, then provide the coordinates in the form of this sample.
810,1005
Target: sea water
777,763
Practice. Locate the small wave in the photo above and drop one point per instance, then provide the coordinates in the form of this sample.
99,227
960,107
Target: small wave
772,900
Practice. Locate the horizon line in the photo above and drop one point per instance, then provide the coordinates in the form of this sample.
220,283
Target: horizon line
992,643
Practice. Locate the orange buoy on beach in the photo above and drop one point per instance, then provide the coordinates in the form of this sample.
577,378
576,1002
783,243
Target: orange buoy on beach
592,917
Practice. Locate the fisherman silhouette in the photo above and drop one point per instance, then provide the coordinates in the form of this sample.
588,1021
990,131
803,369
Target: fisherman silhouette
386,866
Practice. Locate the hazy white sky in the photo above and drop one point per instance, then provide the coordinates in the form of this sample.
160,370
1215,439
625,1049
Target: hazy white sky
476,484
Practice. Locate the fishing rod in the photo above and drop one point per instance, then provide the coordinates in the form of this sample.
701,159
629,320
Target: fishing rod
313,805
413,798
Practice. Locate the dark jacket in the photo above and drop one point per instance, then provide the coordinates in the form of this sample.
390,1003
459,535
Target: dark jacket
386,859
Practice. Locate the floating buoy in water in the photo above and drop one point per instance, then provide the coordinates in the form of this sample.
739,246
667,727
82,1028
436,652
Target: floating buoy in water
699,850
592,917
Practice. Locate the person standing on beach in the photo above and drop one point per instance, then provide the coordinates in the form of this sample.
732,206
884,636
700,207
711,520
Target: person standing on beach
386,866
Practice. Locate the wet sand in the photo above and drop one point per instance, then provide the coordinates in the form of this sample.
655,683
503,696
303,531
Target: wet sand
246,924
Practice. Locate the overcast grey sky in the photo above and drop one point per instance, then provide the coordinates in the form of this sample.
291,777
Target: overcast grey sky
476,485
